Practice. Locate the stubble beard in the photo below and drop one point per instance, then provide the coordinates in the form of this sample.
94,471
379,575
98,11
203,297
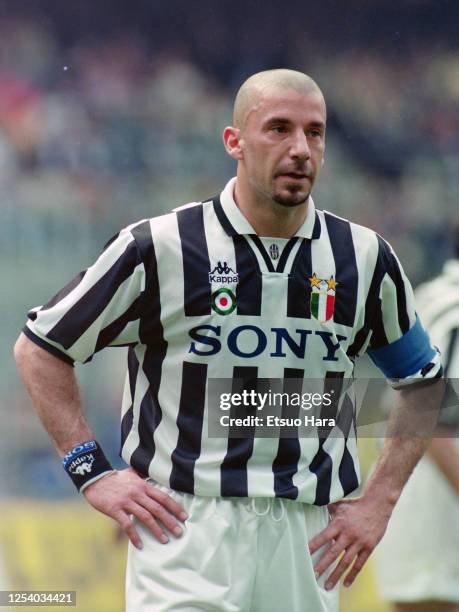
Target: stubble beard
294,197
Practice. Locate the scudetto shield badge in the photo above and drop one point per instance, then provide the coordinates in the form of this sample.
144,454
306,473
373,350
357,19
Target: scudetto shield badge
323,293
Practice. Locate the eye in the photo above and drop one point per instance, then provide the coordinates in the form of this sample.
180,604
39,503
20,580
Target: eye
279,129
315,133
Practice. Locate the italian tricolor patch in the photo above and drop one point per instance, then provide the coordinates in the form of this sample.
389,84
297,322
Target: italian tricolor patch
223,301
322,297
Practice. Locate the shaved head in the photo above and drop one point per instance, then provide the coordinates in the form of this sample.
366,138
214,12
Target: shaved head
256,87
278,141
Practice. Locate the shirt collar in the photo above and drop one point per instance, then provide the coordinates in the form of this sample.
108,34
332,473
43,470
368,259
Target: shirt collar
235,223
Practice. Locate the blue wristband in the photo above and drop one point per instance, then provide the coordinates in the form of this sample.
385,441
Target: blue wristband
85,464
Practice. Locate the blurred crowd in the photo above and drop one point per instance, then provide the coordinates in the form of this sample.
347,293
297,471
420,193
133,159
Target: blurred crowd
105,130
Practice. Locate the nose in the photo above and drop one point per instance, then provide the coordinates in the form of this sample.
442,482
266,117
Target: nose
299,148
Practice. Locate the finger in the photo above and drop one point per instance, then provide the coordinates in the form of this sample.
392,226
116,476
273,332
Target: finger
148,520
358,564
329,557
166,500
342,566
127,526
324,536
160,513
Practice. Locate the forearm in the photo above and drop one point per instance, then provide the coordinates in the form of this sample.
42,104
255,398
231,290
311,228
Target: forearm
409,432
52,386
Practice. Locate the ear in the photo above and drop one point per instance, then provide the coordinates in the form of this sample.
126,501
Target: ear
232,141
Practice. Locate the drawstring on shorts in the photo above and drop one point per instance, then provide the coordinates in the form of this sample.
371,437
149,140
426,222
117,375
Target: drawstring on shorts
269,509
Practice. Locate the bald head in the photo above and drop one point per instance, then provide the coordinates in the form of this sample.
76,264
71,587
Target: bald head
256,87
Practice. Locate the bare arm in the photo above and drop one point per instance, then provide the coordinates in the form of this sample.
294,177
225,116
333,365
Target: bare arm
53,388
358,525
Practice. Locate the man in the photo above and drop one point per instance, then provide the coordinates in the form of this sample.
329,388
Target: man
253,284
417,561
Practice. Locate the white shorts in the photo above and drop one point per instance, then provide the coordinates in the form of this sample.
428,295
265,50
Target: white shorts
418,557
235,555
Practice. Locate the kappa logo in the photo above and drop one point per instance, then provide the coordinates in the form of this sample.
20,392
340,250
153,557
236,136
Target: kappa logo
322,297
222,273
82,465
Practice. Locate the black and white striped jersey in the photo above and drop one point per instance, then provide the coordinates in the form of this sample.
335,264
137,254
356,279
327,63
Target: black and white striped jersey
197,295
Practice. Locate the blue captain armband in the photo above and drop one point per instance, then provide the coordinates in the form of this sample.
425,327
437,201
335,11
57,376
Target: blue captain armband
410,359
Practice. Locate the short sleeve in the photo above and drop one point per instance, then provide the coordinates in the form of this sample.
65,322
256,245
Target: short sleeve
399,345
100,307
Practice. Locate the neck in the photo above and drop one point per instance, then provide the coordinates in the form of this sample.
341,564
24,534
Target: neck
267,217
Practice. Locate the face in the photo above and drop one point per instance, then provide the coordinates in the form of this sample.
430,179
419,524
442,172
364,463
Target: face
282,145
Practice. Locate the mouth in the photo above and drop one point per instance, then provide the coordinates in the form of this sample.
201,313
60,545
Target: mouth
297,176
